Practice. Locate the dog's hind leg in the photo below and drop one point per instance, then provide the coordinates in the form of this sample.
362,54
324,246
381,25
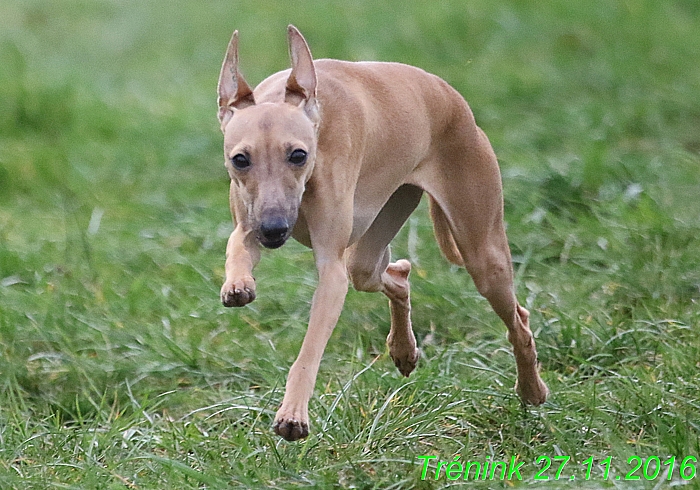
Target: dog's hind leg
468,191
370,269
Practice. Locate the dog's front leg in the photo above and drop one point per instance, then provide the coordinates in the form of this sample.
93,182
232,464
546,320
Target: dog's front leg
242,255
329,218
292,419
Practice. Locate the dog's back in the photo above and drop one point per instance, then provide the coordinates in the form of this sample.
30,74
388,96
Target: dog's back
390,117
378,95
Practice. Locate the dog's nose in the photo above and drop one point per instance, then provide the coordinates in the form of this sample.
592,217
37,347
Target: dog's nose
274,231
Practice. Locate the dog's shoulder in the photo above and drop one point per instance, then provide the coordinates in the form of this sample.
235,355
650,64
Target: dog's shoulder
384,86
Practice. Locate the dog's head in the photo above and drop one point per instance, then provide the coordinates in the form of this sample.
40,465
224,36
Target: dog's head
270,148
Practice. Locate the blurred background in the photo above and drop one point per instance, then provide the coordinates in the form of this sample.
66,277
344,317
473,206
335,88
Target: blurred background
114,218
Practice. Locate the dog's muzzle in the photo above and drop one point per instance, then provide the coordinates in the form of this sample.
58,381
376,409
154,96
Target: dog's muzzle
274,232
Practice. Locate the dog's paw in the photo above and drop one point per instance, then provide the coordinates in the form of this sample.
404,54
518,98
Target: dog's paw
533,392
292,425
238,293
291,430
405,360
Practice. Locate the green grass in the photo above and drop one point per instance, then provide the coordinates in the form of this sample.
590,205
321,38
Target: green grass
119,367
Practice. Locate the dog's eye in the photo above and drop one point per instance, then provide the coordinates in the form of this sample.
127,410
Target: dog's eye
240,161
297,157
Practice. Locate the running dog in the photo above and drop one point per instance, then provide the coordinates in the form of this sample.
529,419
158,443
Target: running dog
337,155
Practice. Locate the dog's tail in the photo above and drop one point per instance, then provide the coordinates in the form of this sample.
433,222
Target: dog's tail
443,234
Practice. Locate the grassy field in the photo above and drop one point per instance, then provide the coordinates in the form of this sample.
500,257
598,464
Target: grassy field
119,367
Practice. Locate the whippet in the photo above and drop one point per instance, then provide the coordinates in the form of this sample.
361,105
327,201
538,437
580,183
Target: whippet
337,155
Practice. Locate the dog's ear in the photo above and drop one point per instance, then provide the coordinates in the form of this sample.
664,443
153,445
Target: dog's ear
301,84
234,92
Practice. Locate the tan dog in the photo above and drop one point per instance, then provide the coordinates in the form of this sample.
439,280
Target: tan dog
337,155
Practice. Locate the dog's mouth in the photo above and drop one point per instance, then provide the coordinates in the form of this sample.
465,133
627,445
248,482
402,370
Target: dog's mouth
273,243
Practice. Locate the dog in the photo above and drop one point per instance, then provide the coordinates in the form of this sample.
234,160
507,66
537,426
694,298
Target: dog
337,155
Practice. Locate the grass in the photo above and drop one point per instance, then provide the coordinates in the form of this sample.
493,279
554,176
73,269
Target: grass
120,369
